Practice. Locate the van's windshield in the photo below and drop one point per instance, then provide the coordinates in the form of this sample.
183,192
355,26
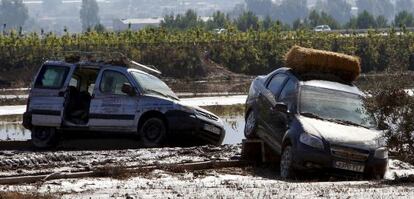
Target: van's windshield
337,106
153,85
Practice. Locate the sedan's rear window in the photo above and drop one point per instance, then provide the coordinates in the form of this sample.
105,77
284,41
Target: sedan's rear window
52,77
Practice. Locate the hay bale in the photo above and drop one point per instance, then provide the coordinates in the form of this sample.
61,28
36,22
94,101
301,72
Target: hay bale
307,60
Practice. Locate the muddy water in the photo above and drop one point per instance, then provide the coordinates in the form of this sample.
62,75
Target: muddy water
13,132
234,125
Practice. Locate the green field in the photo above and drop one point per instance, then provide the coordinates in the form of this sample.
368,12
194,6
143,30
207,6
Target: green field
188,54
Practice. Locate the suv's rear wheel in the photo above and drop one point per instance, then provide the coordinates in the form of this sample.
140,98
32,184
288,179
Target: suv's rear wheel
286,163
153,132
44,137
250,127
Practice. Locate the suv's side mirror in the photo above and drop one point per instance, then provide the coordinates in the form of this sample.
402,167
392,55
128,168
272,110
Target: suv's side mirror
382,126
128,89
280,107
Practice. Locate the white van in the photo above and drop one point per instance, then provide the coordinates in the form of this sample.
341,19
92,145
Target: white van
87,95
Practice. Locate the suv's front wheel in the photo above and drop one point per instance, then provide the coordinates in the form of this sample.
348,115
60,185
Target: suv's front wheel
286,163
153,132
250,127
44,137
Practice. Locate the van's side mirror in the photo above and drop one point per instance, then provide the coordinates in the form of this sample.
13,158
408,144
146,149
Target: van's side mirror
280,107
128,89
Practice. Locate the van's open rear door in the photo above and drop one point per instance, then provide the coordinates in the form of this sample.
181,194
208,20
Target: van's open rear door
47,96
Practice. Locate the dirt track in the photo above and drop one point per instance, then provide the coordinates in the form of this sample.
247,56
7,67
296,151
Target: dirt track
246,182
29,162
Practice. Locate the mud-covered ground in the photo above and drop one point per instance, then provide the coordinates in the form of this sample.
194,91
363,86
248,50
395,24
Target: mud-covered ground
240,182
30,162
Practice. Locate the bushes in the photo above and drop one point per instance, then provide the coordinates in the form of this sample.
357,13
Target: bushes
179,53
394,109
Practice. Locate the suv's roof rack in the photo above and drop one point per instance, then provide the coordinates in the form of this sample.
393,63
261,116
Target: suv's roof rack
112,58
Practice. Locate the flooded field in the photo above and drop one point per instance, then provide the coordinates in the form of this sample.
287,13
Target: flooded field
12,130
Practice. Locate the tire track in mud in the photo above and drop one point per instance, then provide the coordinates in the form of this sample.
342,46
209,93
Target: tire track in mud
35,160
24,162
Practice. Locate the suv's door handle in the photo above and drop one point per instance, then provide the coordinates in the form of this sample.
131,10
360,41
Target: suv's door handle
61,94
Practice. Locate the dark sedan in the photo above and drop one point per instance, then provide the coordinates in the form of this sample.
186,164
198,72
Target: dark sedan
314,124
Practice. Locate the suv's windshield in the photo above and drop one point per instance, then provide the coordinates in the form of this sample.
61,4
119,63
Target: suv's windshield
153,85
333,105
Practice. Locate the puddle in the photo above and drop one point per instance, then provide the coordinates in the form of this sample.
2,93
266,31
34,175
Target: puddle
234,126
13,132
232,116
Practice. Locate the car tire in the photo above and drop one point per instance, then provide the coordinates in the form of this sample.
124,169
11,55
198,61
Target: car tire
44,137
378,175
153,132
286,163
250,128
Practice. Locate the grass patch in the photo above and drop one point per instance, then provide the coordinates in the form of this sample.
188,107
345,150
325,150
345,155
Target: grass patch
231,110
12,101
10,118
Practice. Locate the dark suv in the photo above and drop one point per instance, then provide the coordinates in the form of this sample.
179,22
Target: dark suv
314,124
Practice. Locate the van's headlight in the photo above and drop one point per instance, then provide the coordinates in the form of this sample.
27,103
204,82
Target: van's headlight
381,153
311,140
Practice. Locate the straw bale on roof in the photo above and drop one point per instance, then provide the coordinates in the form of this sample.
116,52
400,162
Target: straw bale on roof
306,60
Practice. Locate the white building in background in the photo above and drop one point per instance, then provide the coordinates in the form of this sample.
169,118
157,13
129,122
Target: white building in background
140,23
136,24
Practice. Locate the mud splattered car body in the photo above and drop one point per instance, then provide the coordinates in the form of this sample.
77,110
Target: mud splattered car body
92,96
314,124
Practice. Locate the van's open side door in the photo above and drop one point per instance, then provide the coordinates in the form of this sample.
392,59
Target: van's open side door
47,96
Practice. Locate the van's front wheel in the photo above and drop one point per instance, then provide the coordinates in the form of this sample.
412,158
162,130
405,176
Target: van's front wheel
44,137
153,132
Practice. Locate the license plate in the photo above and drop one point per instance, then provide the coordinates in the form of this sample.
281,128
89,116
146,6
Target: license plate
212,128
349,166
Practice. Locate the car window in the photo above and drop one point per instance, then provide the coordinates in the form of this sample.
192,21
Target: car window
112,82
288,91
52,77
275,85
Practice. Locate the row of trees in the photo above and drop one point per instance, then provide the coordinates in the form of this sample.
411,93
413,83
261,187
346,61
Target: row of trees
257,14
290,10
363,20
14,13
248,20
219,20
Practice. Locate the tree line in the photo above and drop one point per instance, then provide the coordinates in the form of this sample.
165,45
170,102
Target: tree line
253,14
342,11
14,14
249,20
